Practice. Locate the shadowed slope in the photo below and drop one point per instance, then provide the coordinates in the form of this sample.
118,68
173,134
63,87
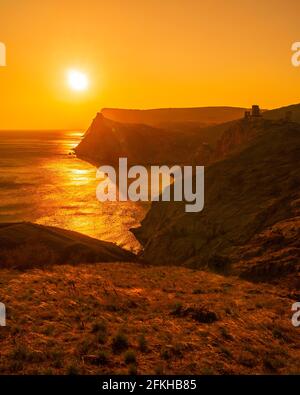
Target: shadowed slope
25,245
254,188
292,112
106,141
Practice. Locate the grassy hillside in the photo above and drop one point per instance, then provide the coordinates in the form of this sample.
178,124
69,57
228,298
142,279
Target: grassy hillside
125,318
24,245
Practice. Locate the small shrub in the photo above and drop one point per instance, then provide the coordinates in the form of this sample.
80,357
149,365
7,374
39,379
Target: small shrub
101,337
15,366
165,354
120,342
207,371
130,357
279,334
226,335
143,346
247,359
22,353
72,370
99,326
198,313
177,350
159,369
273,362
227,353
49,330
100,329
19,353
84,347
198,291
132,370
57,363
177,309
103,358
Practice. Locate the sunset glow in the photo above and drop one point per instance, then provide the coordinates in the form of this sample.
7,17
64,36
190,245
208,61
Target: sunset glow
77,80
148,54
149,195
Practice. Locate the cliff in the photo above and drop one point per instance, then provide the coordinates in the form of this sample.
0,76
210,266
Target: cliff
247,193
106,141
188,143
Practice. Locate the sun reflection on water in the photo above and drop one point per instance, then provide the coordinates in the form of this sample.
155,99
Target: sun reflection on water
44,184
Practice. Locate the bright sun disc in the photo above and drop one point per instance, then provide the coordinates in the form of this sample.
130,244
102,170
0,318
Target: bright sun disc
77,80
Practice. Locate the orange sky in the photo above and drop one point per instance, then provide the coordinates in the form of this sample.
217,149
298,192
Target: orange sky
143,54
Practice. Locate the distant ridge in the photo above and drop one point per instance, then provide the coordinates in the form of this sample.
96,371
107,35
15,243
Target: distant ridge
292,111
165,116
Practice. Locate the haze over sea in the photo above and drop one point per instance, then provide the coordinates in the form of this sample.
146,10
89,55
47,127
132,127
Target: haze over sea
41,182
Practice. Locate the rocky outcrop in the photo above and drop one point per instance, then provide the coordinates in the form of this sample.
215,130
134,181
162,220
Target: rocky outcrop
237,135
106,141
167,136
272,254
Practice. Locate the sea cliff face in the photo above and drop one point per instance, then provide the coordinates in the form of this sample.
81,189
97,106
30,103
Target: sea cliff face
187,143
106,141
252,181
247,193
170,136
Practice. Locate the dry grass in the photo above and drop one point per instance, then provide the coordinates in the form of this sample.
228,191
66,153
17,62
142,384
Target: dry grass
119,318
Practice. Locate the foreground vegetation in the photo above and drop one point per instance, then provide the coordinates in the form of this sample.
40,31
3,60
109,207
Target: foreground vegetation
127,318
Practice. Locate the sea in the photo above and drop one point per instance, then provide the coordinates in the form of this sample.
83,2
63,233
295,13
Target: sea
42,181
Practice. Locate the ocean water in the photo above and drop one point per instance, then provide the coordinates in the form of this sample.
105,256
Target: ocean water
41,182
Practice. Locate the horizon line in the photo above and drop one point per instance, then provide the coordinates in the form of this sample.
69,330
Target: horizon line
56,129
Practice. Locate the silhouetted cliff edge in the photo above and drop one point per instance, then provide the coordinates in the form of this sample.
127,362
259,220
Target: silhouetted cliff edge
106,141
160,136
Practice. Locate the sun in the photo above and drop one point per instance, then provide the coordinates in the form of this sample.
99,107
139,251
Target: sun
77,80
